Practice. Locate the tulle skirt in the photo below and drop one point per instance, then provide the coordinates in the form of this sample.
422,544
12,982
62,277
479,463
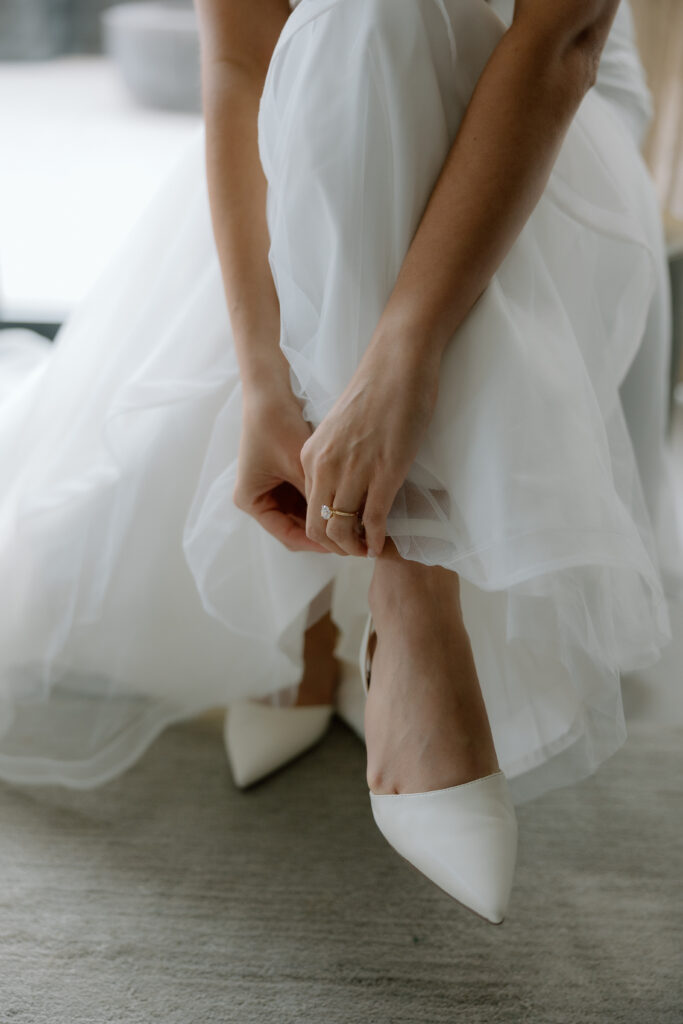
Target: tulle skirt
135,593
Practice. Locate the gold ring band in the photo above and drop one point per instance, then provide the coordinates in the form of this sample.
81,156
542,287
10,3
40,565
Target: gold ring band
326,511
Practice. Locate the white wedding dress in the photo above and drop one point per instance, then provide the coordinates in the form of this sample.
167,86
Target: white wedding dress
134,592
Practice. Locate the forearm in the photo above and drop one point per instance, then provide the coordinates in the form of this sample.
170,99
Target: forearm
237,40
494,175
237,194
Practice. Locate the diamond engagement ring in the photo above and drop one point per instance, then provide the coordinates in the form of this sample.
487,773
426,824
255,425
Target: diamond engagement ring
326,512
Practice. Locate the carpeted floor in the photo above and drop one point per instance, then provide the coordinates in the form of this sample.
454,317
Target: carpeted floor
170,896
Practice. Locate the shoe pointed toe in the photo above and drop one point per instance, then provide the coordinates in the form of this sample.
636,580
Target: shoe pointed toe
464,839
260,738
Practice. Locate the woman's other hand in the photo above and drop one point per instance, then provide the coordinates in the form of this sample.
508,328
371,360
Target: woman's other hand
270,482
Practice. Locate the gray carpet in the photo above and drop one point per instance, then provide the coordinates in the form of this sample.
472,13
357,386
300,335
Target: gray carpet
170,896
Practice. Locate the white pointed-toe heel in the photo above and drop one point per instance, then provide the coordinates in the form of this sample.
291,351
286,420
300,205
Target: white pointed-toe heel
260,738
463,838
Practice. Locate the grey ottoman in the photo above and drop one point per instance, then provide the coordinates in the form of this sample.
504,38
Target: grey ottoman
156,46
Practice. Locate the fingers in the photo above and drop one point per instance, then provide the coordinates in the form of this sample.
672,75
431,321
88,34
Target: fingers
375,512
320,476
325,483
287,521
289,533
316,526
281,511
348,534
347,531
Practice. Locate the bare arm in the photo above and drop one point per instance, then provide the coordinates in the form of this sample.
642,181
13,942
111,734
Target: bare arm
237,41
497,168
493,176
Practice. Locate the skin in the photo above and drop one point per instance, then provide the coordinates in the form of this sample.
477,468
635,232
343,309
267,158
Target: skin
436,734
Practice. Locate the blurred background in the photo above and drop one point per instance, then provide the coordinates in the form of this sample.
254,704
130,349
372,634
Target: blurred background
99,99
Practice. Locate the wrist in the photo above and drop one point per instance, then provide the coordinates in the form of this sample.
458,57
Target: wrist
265,377
410,347
266,391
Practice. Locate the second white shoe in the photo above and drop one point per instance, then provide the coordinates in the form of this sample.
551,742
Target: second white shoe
463,838
260,738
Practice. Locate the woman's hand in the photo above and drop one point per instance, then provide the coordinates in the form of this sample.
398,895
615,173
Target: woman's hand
270,480
361,453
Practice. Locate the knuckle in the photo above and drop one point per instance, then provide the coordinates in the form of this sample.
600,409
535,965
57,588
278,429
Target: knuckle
325,459
353,458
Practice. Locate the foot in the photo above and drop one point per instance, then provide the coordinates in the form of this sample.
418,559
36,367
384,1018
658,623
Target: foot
426,724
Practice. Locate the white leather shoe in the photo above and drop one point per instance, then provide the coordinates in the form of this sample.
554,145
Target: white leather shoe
463,838
260,738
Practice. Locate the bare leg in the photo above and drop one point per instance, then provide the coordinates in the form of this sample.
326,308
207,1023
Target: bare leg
425,719
320,676
321,669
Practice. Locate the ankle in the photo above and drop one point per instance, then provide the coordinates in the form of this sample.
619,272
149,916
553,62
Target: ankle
321,668
320,639
417,596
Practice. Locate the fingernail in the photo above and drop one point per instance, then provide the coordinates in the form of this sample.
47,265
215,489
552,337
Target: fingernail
371,553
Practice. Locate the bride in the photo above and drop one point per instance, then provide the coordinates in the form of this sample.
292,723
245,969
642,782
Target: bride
382,341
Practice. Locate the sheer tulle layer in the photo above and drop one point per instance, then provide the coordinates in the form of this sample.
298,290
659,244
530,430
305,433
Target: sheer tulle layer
140,594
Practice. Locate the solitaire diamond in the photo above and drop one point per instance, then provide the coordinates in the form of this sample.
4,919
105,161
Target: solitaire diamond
326,512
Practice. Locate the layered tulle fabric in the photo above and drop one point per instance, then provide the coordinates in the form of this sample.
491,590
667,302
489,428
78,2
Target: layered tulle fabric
136,593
